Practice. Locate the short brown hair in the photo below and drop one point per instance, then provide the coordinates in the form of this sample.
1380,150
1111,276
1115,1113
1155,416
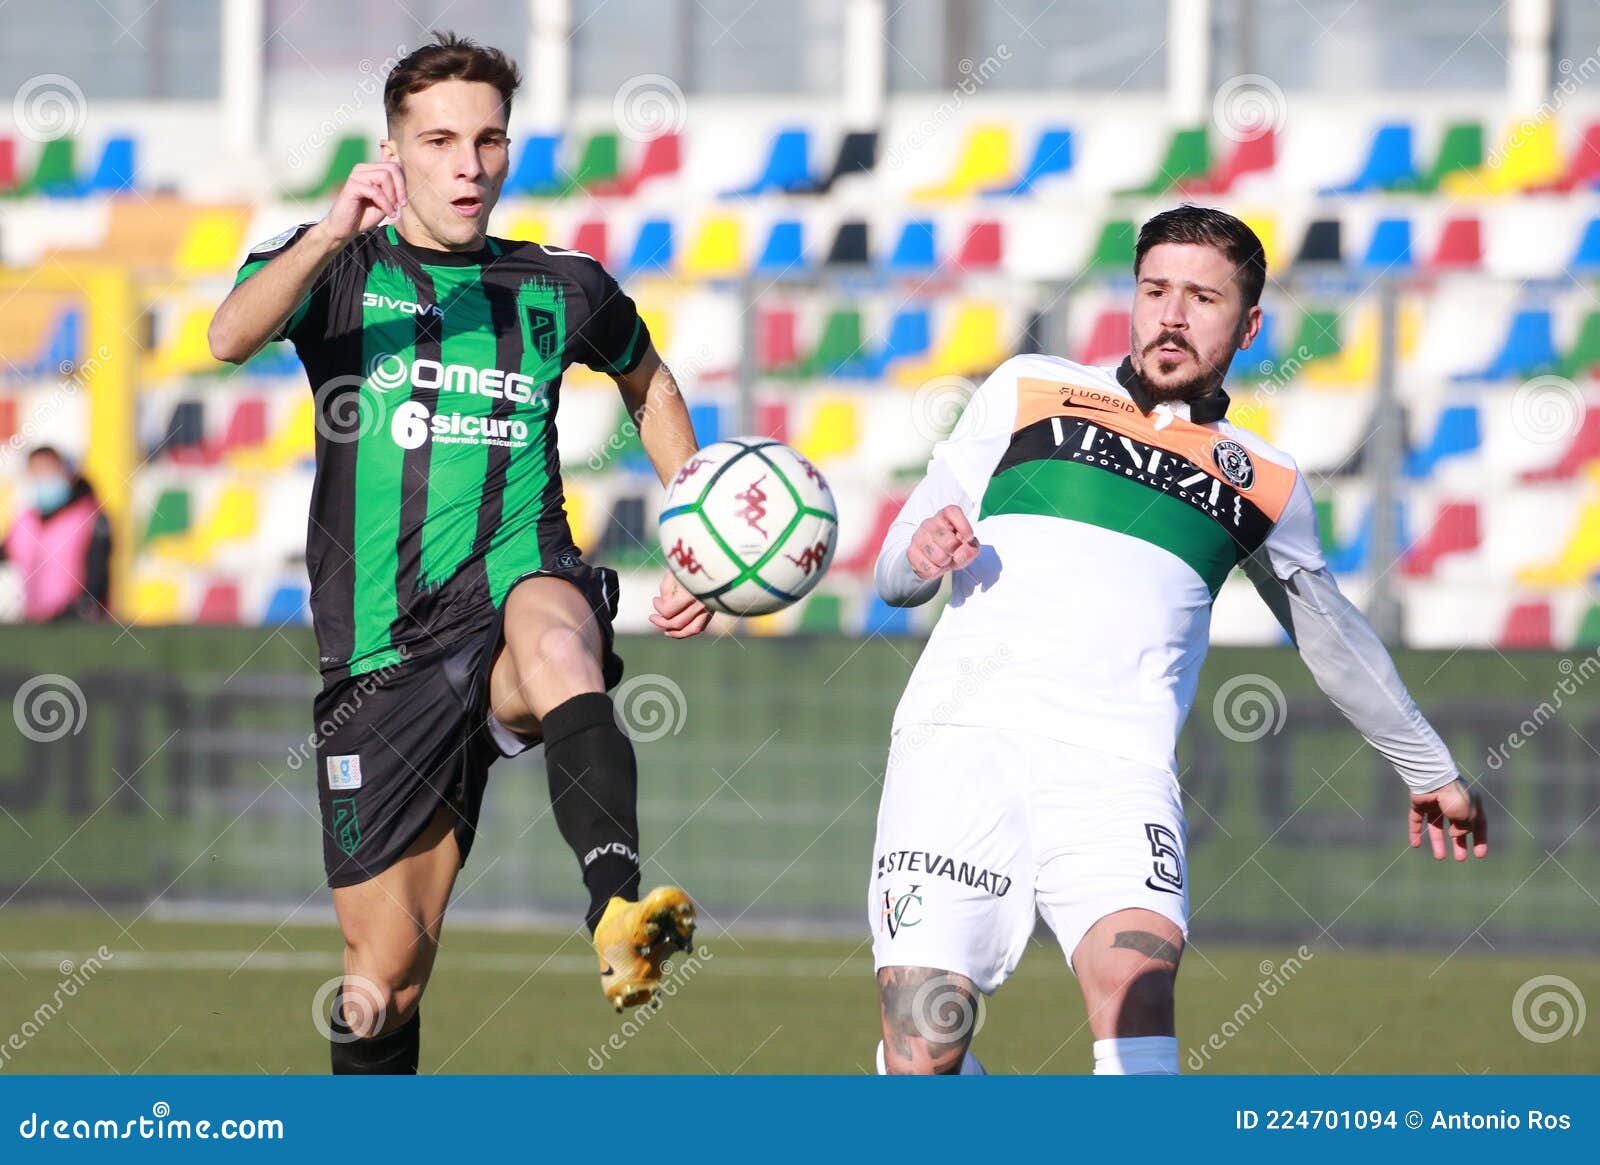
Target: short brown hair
450,58
1210,227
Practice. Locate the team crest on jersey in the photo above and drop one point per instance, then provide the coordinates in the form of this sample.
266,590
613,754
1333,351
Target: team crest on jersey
1234,461
275,241
542,331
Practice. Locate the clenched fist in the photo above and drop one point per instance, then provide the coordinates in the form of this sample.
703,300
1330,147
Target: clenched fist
943,543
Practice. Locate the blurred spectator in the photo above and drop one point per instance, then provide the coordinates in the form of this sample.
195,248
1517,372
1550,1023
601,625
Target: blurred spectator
61,544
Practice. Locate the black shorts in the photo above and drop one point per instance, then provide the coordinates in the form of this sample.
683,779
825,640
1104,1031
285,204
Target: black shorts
393,745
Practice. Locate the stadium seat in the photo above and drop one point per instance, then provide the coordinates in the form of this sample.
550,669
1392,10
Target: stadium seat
247,427
169,517
849,248
788,167
186,351
1460,246
882,619
1583,167
777,344
1390,247
348,153
1461,148
590,238
660,158
706,419
154,601
1113,250
982,248
1583,357
1527,625
1588,635
212,242
1577,560
1355,555
652,249
840,350
116,170
535,174
772,420
914,252
8,165
858,154
599,167
185,440
820,615
784,251
834,430
986,160
1581,452
8,419
1108,338
865,556
717,251
1323,242
1257,154
1528,350
1530,156
1586,259
908,339
1052,156
39,337
1455,433
1388,163
1319,337
219,604
1455,530
1260,361
55,174
234,517
1188,157
972,345
287,606
529,228
276,359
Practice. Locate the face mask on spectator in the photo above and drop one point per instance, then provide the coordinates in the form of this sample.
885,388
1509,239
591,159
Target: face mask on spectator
50,493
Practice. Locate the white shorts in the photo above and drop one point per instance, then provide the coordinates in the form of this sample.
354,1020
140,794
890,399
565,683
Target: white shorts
978,826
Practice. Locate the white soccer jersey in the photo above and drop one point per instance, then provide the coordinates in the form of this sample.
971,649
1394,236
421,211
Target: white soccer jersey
1106,533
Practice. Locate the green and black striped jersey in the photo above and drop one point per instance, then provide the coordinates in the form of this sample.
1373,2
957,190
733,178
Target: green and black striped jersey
436,377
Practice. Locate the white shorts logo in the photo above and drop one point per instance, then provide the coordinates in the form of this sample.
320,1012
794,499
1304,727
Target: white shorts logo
344,772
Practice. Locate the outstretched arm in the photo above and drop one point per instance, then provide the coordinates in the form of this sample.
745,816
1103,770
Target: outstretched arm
1353,668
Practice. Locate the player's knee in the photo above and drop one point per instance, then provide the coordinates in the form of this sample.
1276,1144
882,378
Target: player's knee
381,994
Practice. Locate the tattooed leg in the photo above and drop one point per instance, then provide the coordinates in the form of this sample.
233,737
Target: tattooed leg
928,1018
1127,966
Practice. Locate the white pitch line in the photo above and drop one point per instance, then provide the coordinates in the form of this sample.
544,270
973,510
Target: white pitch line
315,961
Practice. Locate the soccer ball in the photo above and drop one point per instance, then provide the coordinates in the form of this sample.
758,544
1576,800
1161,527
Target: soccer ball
748,526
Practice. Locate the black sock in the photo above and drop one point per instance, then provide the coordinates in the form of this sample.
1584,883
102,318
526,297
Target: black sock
594,791
391,1054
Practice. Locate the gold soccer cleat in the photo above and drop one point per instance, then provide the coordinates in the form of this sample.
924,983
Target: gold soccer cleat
635,938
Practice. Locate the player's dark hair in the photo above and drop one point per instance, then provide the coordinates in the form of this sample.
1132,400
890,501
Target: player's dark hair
46,451
1210,227
450,58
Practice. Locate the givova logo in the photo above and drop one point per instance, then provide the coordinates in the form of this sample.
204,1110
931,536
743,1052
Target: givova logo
388,370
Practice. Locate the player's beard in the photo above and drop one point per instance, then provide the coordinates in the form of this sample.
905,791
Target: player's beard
1205,381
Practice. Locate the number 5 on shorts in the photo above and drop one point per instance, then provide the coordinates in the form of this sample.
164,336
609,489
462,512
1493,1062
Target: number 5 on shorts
1168,863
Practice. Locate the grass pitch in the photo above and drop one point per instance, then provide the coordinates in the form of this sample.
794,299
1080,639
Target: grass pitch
203,997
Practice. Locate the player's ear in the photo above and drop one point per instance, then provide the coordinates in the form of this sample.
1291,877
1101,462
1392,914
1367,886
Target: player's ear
1249,327
388,151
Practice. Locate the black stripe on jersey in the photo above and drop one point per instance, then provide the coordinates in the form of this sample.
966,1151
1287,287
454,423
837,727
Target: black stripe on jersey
1166,472
413,500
